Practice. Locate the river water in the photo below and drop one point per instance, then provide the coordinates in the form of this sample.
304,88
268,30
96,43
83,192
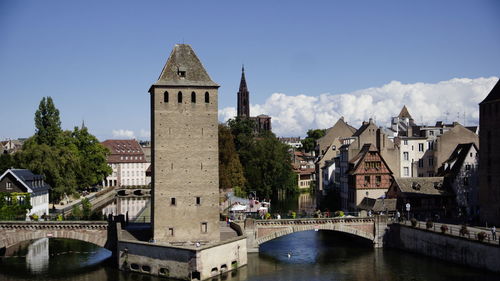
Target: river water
322,255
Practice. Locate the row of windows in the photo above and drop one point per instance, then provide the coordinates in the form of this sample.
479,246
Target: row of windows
378,180
131,158
166,97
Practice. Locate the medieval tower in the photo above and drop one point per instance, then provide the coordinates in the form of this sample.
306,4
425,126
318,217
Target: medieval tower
243,97
185,165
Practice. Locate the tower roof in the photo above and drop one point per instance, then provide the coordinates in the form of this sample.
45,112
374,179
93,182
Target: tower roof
243,81
183,68
494,94
404,113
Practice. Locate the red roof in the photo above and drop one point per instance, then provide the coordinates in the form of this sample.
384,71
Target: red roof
124,151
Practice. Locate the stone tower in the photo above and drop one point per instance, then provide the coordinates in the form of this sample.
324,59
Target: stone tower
185,165
489,157
243,97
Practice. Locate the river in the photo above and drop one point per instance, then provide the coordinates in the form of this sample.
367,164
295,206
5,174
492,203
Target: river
322,255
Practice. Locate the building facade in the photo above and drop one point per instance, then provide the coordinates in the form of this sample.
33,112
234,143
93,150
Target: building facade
24,181
185,166
489,157
128,163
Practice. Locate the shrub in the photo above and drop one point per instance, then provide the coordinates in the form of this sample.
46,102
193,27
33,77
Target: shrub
339,213
463,230
34,217
429,224
59,217
444,228
413,222
294,215
481,235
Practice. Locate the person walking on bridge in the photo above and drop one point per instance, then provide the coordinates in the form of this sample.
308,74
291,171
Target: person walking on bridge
494,233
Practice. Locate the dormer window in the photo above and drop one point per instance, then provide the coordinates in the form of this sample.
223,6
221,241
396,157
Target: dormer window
181,72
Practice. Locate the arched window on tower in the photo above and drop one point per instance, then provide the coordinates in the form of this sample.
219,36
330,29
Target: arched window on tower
207,97
193,97
165,97
179,97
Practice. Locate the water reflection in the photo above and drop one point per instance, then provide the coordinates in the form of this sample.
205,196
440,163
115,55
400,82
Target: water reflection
37,258
134,206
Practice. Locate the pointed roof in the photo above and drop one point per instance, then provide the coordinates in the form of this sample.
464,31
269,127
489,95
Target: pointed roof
494,94
183,68
456,160
243,81
404,113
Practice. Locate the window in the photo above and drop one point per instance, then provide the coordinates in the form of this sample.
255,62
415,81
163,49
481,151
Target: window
467,167
198,200
406,156
367,180
406,171
207,97
165,97
420,147
179,97
9,185
204,227
405,142
430,145
431,161
420,163
378,180
171,231
172,201
193,97
431,133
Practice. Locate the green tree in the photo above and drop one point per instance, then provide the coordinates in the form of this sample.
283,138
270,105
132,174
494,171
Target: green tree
86,208
58,165
242,130
76,212
92,158
47,122
14,206
6,162
231,173
309,143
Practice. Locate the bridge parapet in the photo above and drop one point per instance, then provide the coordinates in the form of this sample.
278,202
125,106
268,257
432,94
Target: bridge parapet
261,231
13,232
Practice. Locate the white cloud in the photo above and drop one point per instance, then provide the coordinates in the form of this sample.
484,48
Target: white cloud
123,134
144,133
453,100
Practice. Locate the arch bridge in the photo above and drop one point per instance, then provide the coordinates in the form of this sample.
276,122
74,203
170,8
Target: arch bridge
95,232
261,231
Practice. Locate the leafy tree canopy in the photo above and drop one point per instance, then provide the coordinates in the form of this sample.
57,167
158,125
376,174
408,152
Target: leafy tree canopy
47,122
231,173
309,143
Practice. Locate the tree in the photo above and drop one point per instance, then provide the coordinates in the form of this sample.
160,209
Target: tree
6,162
14,206
309,143
231,173
47,122
86,208
92,158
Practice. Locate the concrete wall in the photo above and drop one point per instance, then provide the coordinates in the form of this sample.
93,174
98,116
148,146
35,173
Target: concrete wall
445,247
182,262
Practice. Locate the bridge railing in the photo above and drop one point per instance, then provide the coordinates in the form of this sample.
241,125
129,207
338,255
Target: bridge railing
472,233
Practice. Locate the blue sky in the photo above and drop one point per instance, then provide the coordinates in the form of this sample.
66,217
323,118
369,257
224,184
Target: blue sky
97,59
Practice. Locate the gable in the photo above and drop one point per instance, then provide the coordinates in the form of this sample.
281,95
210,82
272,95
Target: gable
9,179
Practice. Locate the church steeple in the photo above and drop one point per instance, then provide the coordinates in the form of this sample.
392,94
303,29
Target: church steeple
243,96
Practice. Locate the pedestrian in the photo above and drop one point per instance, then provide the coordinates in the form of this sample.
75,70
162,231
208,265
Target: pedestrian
278,216
494,233
398,215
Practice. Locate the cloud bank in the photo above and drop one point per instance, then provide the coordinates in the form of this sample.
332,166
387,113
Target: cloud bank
453,100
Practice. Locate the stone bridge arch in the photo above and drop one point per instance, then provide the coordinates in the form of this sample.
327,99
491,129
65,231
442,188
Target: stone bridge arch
14,232
262,231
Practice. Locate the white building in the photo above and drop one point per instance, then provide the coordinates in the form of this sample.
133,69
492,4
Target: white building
128,163
24,181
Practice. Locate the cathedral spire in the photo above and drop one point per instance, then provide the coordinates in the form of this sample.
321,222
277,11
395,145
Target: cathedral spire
243,96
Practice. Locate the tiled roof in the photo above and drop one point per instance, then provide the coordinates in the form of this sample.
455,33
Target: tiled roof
404,113
32,181
456,160
378,205
124,151
183,68
421,185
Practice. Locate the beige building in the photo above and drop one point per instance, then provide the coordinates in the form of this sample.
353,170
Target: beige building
489,157
128,163
328,147
184,154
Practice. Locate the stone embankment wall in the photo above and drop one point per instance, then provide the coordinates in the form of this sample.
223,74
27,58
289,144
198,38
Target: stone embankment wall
445,247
